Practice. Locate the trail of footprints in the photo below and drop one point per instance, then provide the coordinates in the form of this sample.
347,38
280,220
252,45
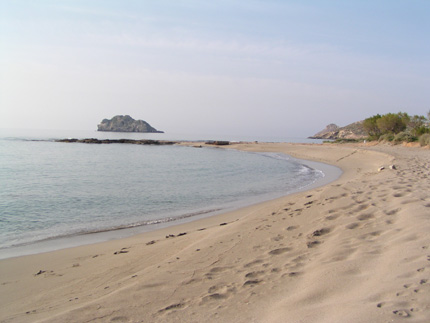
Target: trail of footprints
358,211
270,266
412,295
406,301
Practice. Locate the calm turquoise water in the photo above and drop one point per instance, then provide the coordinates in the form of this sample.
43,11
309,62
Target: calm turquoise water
50,189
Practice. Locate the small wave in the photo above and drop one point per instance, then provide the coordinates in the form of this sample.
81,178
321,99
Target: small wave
115,228
277,156
23,139
151,222
304,169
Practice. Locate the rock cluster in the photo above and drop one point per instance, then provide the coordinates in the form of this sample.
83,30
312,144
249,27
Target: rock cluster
217,142
125,124
119,141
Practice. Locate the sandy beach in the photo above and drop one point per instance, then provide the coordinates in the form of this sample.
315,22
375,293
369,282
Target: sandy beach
354,250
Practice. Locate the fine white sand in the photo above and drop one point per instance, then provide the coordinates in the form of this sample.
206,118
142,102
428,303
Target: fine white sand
355,250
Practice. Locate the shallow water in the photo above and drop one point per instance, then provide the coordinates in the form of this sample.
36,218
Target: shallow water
50,190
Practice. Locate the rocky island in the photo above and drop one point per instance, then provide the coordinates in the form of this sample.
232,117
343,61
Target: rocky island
126,124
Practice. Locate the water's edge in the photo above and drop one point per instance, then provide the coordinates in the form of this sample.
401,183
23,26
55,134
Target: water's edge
330,174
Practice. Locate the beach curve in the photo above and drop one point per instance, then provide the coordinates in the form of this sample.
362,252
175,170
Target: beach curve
355,250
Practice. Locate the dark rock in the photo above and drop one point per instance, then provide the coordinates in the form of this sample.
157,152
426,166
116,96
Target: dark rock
125,124
119,141
217,142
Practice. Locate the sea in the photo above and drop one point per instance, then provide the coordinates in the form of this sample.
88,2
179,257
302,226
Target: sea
56,195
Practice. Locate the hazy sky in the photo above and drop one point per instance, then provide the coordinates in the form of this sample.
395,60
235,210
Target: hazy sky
275,68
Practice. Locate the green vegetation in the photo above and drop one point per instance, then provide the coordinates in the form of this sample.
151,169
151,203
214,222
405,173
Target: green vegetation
391,123
371,127
425,139
386,137
342,141
404,137
398,127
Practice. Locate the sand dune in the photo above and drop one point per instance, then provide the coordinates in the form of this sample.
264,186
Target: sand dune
355,250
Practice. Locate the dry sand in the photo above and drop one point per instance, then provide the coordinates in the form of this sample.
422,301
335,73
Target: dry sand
355,250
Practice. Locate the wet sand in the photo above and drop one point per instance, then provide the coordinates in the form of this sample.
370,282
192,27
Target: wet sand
355,250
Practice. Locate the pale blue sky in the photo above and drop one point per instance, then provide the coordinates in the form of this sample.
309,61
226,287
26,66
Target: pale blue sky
273,68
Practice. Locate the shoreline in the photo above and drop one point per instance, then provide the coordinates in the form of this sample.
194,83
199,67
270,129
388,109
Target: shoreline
355,250
86,238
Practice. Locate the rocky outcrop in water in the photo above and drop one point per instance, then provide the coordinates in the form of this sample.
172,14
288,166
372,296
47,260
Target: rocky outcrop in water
218,142
126,124
119,141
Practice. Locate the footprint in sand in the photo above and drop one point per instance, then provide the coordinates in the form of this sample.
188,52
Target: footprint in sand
171,307
253,263
361,207
252,282
352,226
402,313
320,232
219,269
277,238
332,217
47,273
312,244
364,217
123,250
254,274
292,274
392,212
308,204
279,251
219,292
370,236
215,296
